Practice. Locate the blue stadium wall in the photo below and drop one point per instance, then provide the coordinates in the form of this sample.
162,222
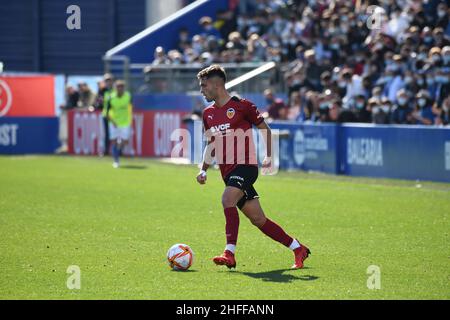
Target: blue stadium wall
396,151
34,36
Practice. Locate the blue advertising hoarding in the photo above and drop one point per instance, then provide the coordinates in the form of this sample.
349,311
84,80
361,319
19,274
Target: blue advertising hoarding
22,135
402,152
307,146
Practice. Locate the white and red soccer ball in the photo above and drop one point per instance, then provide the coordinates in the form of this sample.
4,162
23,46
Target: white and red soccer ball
180,257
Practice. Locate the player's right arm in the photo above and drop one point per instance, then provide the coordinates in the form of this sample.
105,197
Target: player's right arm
207,160
207,154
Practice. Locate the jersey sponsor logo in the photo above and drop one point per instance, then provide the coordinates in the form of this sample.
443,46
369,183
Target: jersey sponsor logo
230,113
220,127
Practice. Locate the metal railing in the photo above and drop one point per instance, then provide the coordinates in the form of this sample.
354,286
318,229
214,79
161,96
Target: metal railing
119,66
181,79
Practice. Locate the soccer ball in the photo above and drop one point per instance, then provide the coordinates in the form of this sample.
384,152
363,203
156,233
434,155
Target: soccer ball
180,257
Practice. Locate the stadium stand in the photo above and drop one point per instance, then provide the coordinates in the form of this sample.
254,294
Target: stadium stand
339,63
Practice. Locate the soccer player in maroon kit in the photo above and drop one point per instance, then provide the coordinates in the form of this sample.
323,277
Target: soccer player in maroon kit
223,119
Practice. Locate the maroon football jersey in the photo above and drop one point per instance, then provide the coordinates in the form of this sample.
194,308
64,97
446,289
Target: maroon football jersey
230,127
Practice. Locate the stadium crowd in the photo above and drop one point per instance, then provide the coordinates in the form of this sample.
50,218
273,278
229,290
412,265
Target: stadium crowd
343,61
83,98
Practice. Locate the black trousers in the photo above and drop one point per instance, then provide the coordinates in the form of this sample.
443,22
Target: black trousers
106,127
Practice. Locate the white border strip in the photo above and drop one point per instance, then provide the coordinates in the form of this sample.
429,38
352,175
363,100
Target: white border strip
153,28
250,74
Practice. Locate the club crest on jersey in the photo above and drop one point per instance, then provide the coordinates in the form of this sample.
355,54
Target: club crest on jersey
230,113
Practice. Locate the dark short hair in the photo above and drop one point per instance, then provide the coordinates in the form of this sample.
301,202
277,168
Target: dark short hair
214,70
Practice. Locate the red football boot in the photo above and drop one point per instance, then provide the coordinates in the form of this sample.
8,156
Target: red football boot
226,259
300,255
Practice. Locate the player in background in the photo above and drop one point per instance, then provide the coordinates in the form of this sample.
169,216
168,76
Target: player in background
104,94
120,118
229,114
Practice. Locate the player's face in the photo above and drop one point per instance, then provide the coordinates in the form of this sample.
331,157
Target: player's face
208,89
120,89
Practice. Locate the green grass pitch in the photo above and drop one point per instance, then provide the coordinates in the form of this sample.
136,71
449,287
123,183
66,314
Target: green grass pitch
117,226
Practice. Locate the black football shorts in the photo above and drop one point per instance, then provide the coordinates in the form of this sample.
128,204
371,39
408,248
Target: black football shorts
243,177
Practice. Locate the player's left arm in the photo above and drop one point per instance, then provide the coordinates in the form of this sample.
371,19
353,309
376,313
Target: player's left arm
130,112
266,133
255,118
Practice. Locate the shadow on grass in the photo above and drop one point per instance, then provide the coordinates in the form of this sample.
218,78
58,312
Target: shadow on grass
278,275
183,271
133,167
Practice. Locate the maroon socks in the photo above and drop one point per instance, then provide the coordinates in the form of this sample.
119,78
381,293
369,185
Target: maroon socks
270,229
231,225
274,231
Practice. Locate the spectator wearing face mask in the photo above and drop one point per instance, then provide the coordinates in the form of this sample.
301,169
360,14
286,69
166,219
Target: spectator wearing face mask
402,112
208,28
335,48
376,93
423,113
427,37
353,84
175,57
435,59
334,111
313,70
377,112
410,82
184,41
446,59
362,111
442,113
430,82
386,108
257,47
421,81
345,115
297,80
367,86
392,82
398,64
340,86
442,87
420,58
198,44
442,15
439,39
279,25
325,101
